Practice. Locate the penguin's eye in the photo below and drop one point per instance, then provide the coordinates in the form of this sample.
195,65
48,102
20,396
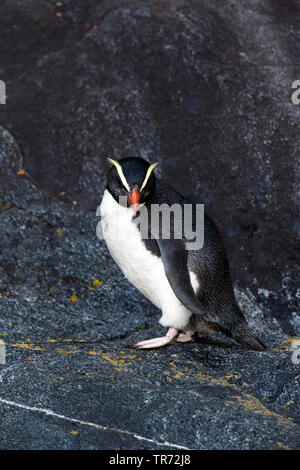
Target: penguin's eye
121,184
120,172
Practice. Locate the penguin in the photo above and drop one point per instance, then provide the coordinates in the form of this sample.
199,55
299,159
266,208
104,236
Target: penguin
192,288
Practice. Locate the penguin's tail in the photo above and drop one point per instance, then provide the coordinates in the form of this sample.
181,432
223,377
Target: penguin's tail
244,336
239,330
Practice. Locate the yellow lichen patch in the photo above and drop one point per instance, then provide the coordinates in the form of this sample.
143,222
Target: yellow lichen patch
51,340
248,401
177,375
93,353
232,376
183,372
96,282
30,358
73,432
7,293
290,340
251,403
59,232
67,340
290,343
229,376
282,446
74,298
109,359
22,345
120,360
27,346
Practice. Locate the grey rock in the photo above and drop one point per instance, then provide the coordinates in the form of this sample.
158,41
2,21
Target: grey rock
70,381
205,90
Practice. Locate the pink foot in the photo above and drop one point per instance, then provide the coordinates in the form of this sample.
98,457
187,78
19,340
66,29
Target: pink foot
157,342
186,337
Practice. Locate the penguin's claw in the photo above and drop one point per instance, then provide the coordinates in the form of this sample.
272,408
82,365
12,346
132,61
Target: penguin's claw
153,343
157,342
189,336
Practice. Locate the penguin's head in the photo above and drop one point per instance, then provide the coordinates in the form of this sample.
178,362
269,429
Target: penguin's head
131,177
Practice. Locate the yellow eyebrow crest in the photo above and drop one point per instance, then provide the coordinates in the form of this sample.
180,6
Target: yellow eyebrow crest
149,171
120,172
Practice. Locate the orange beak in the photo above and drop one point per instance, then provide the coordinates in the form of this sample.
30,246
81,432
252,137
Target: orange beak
134,199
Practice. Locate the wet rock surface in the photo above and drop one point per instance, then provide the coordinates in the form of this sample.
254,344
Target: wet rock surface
206,91
67,315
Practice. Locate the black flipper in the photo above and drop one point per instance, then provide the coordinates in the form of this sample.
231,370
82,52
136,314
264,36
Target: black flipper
174,258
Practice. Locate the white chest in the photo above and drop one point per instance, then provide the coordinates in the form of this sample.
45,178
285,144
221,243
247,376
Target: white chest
144,270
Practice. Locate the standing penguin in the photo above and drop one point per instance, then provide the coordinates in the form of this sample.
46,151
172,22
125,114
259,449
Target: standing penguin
192,288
